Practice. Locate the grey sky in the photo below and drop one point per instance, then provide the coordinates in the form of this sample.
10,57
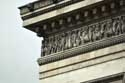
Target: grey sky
19,48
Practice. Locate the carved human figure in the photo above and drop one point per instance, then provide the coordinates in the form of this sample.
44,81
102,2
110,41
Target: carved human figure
91,33
69,39
78,40
114,26
86,34
73,38
55,44
66,39
123,24
49,45
81,35
52,44
103,29
110,29
63,42
44,47
96,32
118,26
58,43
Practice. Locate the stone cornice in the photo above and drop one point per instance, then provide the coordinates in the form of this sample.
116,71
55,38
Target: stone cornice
36,5
94,11
58,6
82,49
44,9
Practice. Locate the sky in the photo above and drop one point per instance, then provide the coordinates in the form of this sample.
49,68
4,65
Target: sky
19,47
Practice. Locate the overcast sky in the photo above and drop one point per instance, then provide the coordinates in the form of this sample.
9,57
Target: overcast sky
19,48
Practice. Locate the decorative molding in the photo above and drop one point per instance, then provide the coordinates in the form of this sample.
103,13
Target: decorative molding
81,65
66,3
108,53
83,35
89,13
37,5
82,49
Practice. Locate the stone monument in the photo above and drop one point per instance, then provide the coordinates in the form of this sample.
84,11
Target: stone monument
83,40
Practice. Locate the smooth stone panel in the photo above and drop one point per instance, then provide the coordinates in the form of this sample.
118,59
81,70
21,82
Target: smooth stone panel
89,73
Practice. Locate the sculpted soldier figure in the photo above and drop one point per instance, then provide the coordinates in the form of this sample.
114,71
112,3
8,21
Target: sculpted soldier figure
73,42
78,40
118,26
69,39
123,23
81,35
44,47
63,42
96,32
58,43
103,29
109,31
91,33
49,45
114,25
86,34
54,44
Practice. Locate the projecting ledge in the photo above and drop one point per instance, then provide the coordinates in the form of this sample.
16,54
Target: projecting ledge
82,49
105,52
60,11
83,61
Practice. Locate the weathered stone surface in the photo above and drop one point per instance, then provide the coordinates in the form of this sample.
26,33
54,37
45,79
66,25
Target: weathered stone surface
79,50
89,73
84,57
83,40
83,61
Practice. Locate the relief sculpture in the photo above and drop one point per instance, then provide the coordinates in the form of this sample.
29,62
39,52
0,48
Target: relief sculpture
83,35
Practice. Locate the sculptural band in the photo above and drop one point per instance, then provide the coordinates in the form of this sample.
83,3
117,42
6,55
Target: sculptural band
90,33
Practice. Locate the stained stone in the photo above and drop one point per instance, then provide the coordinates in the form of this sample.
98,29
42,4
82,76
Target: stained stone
83,40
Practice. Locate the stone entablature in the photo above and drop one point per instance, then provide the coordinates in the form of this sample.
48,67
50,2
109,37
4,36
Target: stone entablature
83,35
57,20
36,19
66,31
94,32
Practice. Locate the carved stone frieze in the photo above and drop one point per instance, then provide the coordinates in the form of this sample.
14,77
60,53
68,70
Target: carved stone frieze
86,34
82,49
89,37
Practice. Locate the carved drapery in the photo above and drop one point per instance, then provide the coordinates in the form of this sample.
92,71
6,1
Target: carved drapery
86,34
